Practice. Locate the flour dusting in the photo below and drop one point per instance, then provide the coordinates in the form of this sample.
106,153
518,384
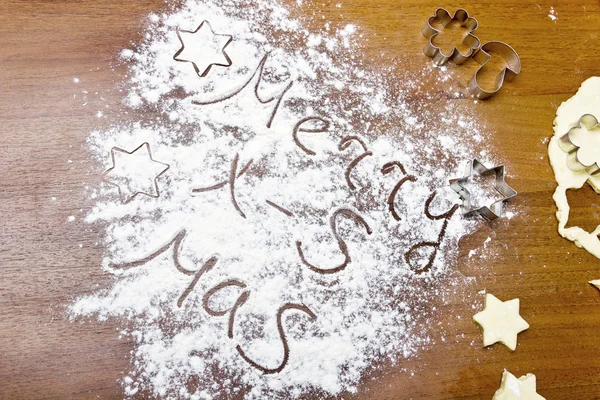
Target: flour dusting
304,229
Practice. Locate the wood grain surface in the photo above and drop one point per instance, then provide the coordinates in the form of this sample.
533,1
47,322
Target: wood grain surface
46,261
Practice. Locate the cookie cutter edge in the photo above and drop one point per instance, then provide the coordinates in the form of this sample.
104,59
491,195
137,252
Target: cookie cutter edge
589,122
495,209
443,16
482,56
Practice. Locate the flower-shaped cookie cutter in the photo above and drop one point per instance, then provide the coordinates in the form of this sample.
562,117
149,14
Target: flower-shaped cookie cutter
443,17
583,155
494,210
482,56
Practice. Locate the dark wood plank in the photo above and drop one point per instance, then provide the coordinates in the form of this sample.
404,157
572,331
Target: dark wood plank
44,44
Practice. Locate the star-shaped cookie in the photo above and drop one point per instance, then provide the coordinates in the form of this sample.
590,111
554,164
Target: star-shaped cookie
596,283
500,321
203,48
134,172
512,388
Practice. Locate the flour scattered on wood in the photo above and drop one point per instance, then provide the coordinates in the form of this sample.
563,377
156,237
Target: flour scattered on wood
294,243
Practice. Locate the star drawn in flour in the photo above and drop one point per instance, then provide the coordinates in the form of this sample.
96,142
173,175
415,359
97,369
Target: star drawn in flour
512,388
203,48
134,172
500,321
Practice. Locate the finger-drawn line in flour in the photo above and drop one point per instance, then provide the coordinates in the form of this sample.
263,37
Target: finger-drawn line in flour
175,244
205,268
388,168
255,79
286,348
320,125
344,144
145,146
242,298
279,208
434,246
448,214
224,183
343,212
214,290
240,301
219,39
232,178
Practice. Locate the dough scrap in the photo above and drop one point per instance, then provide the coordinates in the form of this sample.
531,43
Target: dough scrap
500,321
512,388
586,101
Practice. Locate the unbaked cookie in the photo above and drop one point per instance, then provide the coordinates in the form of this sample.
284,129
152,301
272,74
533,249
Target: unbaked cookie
500,321
512,388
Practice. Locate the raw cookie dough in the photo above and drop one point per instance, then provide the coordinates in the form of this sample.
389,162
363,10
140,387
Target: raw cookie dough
500,321
586,101
596,283
512,388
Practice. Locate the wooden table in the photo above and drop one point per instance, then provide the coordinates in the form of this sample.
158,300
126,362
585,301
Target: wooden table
45,167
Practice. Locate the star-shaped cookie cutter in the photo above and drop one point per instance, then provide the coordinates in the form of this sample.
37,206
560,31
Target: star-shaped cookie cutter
482,56
127,199
493,211
207,69
573,148
443,16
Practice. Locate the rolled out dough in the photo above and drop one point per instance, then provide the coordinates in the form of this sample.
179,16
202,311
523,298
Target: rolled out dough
586,101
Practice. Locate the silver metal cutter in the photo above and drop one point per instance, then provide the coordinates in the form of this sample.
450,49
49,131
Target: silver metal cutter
572,146
493,211
482,56
443,17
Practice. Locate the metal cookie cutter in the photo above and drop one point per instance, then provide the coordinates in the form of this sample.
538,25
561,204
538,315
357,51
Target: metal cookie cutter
582,156
482,56
443,16
495,210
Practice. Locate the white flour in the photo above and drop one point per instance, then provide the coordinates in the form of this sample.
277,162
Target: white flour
275,244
